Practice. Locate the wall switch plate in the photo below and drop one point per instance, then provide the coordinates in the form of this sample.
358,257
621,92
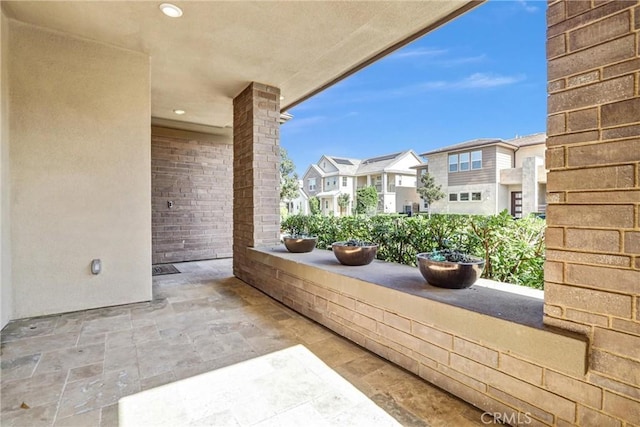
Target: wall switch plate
96,266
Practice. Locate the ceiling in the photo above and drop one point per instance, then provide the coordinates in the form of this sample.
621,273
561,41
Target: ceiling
201,61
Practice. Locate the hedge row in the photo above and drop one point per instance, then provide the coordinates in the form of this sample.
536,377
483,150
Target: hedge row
513,249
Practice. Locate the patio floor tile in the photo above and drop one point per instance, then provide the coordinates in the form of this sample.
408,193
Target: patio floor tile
71,369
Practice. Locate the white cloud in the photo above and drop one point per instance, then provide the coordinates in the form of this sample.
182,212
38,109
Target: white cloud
296,125
459,61
482,80
420,51
527,7
474,81
434,56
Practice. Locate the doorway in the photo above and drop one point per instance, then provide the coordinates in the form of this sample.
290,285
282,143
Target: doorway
516,204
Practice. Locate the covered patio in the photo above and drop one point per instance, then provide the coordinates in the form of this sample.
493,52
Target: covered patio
71,369
129,138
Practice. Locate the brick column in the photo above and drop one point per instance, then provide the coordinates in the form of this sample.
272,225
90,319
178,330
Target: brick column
256,156
592,272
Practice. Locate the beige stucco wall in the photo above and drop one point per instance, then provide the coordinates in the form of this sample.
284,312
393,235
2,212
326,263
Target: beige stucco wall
487,206
80,172
6,296
529,151
438,167
406,196
405,162
503,201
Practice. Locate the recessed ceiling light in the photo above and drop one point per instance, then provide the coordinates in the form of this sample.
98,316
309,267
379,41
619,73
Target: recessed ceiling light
281,98
179,112
171,10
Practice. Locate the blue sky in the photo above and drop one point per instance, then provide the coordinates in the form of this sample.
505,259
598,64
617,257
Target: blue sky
482,75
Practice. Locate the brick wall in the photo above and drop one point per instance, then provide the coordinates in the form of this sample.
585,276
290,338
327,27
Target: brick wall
533,376
195,173
592,273
256,179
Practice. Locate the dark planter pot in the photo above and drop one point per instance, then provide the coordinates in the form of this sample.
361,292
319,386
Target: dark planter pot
354,255
451,275
300,244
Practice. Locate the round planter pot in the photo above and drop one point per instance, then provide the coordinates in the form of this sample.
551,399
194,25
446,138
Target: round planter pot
451,275
300,244
354,255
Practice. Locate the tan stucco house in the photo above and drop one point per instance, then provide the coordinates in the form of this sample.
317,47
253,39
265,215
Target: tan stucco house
487,176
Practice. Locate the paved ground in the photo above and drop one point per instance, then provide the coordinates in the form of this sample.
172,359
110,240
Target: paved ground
71,369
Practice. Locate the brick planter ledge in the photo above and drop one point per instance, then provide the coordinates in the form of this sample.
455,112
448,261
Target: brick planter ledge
486,344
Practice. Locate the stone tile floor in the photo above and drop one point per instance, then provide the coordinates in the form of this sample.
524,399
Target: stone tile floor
71,369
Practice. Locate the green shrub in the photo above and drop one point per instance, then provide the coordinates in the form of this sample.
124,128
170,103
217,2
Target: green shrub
513,249
366,200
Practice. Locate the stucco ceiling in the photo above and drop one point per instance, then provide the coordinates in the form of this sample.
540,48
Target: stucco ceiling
201,61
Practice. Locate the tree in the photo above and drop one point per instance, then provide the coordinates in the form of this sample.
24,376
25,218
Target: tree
314,205
366,200
288,178
429,191
343,202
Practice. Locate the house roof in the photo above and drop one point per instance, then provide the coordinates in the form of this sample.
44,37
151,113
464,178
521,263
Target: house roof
356,167
345,165
382,163
315,168
204,59
533,139
474,143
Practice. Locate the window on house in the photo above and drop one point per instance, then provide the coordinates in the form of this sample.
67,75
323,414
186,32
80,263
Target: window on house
344,181
399,180
453,163
326,204
464,161
476,160
425,204
464,197
476,197
312,184
334,182
453,197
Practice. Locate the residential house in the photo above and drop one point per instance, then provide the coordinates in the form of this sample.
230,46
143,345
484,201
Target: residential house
299,205
486,176
391,174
